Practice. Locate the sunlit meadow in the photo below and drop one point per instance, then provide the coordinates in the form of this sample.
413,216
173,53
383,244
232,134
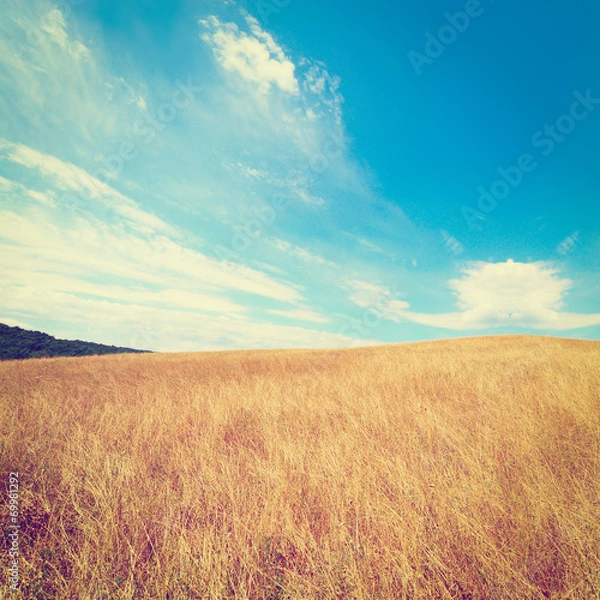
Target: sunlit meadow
455,469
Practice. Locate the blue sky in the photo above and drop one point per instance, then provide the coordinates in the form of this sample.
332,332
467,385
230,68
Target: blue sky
283,173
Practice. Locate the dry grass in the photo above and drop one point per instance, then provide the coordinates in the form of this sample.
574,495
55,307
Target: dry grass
458,469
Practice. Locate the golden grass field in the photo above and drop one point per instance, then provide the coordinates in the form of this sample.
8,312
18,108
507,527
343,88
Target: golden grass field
455,469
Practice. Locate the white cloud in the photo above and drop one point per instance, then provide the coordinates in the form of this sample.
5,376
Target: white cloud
300,314
9,189
255,57
280,245
318,81
309,198
138,246
568,243
452,243
69,178
54,25
370,246
90,246
295,132
363,293
24,274
375,296
301,253
108,284
509,294
60,92
309,256
160,329
250,172
294,183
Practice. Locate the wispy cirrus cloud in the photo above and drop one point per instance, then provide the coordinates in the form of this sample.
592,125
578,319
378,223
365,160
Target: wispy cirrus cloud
126,268
452,243
382,298
54,24
53,80
120,273
135,233
300,314
73,182
301,253
9,189
568,243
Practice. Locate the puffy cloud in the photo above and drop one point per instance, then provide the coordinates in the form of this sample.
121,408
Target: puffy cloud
509,294
255,57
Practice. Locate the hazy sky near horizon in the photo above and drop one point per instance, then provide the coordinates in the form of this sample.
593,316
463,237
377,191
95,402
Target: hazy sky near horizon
180,175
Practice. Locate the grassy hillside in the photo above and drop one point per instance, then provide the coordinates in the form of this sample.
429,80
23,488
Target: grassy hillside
458,469
21,343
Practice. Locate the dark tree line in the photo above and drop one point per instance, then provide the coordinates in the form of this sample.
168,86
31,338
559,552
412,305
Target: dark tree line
20,343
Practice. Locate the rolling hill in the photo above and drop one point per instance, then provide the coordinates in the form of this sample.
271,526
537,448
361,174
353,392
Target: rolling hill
17,343
461,469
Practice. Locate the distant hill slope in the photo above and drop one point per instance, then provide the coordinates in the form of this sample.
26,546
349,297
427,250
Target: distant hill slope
460,469
16,343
